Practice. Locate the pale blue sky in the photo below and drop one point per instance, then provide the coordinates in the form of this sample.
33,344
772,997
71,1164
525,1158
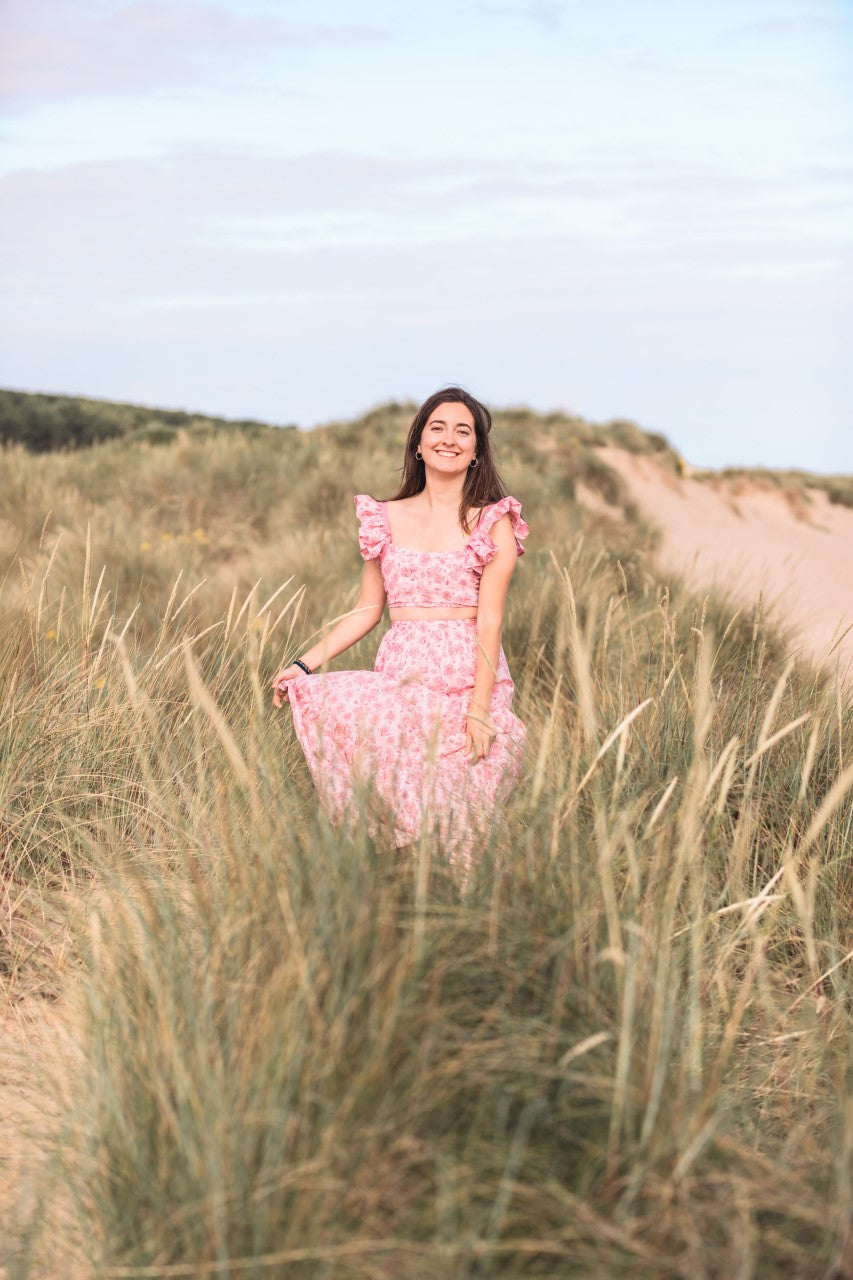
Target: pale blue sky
293,211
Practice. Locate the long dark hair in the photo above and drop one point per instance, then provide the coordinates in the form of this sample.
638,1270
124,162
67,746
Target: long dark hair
482,483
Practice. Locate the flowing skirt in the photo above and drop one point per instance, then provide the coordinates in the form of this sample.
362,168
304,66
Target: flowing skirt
397,735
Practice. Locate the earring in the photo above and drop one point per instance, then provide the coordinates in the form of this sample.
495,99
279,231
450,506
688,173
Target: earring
418,454
473,462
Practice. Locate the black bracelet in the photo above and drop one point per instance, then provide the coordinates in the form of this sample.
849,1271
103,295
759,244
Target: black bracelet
307,670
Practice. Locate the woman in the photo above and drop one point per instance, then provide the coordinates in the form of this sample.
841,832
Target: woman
429,732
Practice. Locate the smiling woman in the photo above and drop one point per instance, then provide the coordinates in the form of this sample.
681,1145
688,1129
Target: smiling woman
429,732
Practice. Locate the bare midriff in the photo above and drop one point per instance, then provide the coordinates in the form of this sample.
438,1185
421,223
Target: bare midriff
422,613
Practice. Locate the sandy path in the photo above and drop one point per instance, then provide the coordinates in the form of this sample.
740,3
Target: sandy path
751,538
31,1034
38,1073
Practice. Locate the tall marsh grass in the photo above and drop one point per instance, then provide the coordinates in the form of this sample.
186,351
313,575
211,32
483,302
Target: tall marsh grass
623,1050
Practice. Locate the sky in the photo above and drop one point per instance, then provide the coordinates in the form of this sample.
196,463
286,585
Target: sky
295,211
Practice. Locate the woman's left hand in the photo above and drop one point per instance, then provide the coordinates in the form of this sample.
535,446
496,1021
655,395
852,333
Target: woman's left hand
480,733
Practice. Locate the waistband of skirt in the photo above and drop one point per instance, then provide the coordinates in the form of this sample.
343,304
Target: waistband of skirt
433,622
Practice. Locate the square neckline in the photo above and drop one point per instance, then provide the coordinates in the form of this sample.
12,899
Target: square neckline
416,551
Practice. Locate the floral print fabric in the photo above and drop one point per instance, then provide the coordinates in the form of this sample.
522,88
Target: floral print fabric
389,744
433,578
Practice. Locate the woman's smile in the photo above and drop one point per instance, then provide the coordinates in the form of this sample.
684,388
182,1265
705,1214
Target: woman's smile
449,434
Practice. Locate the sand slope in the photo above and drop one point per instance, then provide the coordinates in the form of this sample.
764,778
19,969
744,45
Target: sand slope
750,537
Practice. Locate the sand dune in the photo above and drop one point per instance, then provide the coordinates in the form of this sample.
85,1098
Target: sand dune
749,537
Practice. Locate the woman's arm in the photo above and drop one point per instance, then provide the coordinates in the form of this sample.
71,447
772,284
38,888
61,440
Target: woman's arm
352,627
356,623
494,584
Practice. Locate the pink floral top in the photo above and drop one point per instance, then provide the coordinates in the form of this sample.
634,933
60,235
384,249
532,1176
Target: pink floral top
433,579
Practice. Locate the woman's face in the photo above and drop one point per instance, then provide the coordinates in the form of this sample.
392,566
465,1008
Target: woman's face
448,441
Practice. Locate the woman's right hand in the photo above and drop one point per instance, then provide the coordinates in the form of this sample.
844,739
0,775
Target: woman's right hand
280,681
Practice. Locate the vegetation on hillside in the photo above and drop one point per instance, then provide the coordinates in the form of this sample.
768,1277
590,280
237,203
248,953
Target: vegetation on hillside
42,423
275,1050
838,488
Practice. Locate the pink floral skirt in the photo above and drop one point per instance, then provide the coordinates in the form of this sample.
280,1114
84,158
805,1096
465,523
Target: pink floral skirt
390,743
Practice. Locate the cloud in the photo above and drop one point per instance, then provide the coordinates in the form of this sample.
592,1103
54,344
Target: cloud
204,224
548,14
794,25
197,185
54,49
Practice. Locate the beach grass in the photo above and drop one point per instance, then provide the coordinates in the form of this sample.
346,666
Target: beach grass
240,1043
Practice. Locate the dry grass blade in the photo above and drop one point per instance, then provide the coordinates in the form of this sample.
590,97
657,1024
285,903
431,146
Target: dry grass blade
608,743
657,812
777,737
204,701
828,806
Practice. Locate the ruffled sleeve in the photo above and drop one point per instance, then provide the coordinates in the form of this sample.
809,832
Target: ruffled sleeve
480,545
373,536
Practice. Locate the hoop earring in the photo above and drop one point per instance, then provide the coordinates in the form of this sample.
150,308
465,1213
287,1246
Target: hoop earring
473,462
418,454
